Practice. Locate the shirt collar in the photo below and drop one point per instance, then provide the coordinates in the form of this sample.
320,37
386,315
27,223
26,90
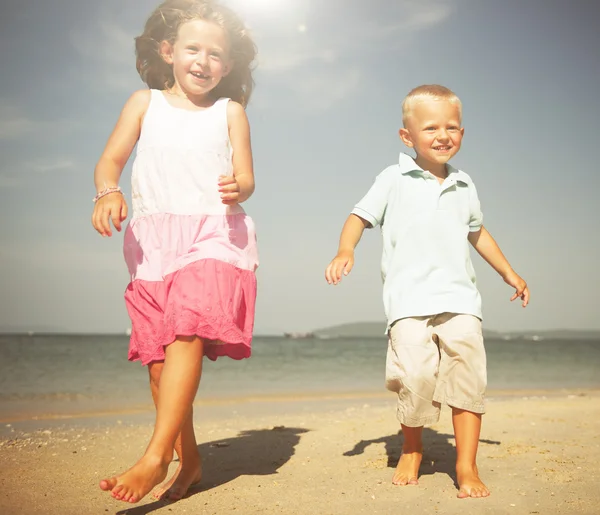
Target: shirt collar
407,165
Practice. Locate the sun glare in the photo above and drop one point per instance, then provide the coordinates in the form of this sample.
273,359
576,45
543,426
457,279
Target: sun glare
268,5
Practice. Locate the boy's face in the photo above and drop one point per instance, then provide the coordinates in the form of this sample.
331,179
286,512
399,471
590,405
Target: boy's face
433,129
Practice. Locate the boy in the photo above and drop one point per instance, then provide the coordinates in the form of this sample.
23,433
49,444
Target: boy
429,212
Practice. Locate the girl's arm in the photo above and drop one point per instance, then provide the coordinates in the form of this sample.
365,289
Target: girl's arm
489,250
239,188
112,161
122,141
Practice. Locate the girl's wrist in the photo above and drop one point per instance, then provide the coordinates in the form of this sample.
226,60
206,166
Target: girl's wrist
107,191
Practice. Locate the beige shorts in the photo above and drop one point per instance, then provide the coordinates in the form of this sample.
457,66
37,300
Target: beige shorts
436,360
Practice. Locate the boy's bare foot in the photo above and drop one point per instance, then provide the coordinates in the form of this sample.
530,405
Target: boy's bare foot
407,470
469,483
134,484
186,476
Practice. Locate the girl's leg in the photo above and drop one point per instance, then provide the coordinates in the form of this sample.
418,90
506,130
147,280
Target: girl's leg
467,427
189,470
178,386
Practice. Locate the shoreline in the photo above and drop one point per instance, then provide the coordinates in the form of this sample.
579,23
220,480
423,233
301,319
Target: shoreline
220,407
538,454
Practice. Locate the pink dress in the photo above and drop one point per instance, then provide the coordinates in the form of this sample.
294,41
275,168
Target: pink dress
192,259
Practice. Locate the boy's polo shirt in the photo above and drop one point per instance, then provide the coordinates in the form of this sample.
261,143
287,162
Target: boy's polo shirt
426,264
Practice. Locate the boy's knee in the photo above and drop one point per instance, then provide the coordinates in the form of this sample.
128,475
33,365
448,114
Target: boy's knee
419,383
393,384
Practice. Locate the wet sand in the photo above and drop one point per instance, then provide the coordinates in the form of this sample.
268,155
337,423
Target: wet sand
539,454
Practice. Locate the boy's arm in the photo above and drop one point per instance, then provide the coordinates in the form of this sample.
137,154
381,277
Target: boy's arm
344,261
368,213
489,250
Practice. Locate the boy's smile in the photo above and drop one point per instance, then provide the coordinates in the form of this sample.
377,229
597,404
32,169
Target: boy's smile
433,129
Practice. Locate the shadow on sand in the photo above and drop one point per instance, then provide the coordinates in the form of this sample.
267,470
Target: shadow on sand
258,452
439,454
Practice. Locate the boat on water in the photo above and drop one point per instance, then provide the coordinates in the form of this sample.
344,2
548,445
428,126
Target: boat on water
299,336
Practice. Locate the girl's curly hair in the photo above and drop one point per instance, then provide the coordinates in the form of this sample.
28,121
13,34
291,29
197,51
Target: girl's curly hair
163,25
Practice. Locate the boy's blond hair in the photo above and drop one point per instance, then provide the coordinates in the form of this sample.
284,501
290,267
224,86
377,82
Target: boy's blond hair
428,92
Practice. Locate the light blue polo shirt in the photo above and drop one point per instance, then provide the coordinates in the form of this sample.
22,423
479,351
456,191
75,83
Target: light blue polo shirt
426,264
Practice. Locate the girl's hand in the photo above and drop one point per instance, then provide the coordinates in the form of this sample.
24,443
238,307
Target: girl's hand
341,264
229,189
110,207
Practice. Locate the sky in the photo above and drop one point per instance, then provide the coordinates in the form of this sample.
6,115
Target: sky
330,79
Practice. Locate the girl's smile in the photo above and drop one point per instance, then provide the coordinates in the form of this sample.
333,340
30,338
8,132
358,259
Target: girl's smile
199,57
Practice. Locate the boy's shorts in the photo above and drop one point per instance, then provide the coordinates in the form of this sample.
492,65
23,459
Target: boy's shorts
435,360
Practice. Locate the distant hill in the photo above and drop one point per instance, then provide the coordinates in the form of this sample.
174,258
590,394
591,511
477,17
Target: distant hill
355,330
20,329
559,334
377,329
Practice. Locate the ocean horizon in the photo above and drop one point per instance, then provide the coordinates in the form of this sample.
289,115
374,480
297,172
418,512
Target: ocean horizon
46,376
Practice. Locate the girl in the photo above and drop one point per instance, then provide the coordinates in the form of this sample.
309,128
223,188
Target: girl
190,248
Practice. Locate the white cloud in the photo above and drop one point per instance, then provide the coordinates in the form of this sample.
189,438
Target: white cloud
12,128
287,45
21,174
104,41
319,59
15,123
63,256
317,92
9,181
405,17
108,53
290,36
320,89
50,165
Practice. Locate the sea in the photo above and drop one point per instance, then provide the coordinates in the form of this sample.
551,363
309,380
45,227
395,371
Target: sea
54,377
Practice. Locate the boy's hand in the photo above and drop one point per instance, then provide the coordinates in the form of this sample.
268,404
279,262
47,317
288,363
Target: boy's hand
110,207
229,189
341,264
519,284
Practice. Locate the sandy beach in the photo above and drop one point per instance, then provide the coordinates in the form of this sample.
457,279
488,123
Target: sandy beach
539,454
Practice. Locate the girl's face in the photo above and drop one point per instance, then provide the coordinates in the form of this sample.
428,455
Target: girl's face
200,57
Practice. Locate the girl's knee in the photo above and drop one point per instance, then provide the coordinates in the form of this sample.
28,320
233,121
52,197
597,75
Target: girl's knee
154,371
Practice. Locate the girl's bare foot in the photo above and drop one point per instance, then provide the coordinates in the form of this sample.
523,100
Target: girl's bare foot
407,470
186,476
189,476
161,489
134,484
469,483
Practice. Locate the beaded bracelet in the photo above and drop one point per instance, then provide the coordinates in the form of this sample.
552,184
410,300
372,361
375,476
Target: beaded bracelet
107,191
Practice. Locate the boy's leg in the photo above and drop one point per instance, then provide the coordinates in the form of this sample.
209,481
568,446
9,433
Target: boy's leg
461,385
178,386
189,470
411,370
407,470
467,427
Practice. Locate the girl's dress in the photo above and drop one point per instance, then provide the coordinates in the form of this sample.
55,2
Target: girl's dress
191,258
